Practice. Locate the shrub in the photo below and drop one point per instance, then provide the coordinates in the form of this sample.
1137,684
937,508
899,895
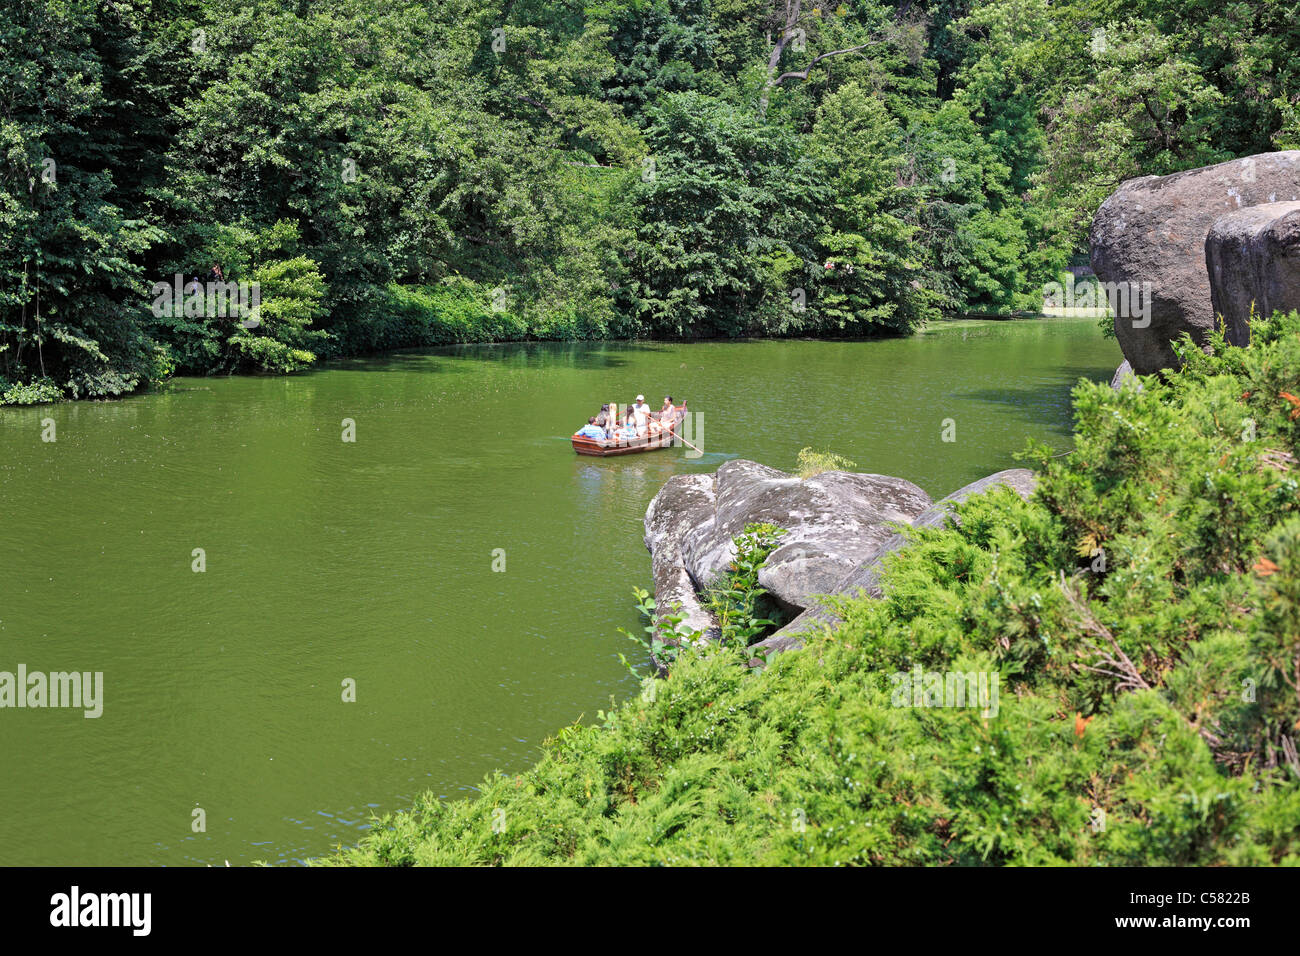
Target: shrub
276,335
741,607
37,392
269,354
812,462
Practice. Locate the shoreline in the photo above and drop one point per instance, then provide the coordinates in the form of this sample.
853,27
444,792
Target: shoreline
325,364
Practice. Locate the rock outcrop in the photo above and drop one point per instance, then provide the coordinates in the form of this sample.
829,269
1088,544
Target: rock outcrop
1253,258
864,580
684,502
1122,374
840,526
832,521
1151,235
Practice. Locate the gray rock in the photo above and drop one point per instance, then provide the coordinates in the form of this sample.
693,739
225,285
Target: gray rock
832,521
812,619
792,636
1019,480
683,502
1153,230
864,580
1122,375
737,486
1253,257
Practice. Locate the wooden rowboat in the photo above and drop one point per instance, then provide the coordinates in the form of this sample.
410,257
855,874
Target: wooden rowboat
622,446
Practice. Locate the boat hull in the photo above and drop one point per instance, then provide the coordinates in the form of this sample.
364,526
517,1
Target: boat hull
607,449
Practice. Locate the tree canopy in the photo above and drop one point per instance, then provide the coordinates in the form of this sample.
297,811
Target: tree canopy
439,171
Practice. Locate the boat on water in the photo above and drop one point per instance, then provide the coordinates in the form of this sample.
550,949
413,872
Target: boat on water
658,436
660,433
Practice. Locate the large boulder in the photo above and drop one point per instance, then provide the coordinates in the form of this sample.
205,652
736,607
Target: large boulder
864,580
1253,258
1150,236
832,521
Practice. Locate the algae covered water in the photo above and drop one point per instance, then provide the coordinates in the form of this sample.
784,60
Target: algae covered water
238,572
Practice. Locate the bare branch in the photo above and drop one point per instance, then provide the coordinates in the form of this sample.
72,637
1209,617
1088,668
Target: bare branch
1131,677
1117,663
1289,752
803,74
791,18
540,105
792,14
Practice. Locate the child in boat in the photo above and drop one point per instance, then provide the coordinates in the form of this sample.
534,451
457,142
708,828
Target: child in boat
629,430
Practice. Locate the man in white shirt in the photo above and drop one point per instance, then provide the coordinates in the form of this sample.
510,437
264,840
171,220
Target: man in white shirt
641,415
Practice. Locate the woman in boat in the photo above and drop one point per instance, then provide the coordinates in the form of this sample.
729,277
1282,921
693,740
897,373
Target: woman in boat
629,430
668,414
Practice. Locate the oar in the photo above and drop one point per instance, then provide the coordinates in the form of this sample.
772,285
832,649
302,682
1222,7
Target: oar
697,448
677,435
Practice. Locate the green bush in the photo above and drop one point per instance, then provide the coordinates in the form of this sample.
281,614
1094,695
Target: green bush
37,392
268,354
744,610
811,462
275,335
453,312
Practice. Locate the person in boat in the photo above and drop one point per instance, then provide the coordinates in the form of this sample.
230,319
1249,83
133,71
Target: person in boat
629,430
604,420
592,430
640,415
668,414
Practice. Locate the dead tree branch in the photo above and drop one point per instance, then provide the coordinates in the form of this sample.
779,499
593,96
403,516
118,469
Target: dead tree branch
803,74
1118,664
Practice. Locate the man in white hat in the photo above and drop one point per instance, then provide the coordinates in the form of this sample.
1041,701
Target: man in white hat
641,413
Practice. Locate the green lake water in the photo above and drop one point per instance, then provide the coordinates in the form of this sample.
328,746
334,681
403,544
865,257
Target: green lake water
373,561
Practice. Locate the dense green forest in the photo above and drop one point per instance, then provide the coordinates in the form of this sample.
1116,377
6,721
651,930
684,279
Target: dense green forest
416,173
